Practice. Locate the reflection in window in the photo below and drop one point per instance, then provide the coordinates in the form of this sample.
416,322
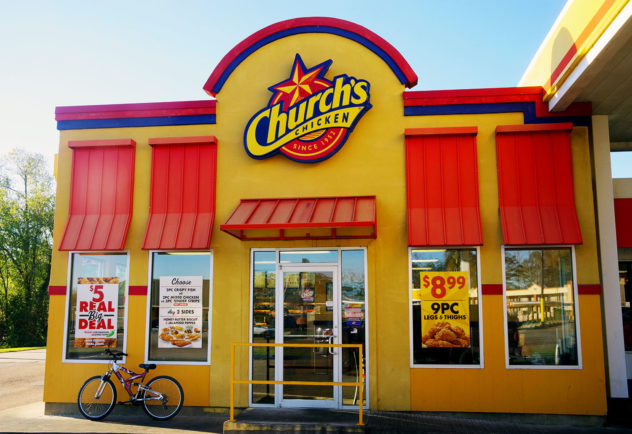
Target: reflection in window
180,299
309,256
353,320
263,315
84,340
455,341
541,326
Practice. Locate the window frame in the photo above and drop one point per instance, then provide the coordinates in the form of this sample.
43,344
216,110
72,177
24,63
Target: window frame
150,270
413,365
579,365
68,301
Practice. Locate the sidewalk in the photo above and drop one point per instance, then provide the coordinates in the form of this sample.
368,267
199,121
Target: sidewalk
31,418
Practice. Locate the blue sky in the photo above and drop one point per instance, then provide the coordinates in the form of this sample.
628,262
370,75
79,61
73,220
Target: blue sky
57,53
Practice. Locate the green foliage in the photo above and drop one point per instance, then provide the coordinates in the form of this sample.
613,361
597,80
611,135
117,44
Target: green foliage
27,204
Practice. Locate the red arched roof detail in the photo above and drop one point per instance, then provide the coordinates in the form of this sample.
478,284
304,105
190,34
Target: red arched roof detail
295,26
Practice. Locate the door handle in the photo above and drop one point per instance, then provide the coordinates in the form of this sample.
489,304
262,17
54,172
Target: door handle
331,341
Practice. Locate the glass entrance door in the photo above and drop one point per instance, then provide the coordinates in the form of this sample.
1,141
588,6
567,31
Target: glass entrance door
307,296
310,301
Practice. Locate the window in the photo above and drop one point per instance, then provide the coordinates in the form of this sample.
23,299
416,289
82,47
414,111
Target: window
540,307
96,305
625,285
263,324
445,307
179,307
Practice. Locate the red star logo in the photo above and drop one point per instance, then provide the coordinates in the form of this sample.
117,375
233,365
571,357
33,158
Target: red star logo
301,84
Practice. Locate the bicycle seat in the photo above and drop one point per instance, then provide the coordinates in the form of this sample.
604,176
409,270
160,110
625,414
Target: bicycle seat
147,366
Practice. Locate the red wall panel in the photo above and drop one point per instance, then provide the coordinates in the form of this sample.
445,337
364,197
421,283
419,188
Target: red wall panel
623,220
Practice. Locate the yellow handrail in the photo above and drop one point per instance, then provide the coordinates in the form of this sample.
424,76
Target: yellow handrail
359,384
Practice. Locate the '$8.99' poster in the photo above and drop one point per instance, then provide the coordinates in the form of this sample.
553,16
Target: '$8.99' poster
445,309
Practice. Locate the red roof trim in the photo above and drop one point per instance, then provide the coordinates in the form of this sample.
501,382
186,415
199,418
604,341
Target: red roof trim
139,110
440,131
199,140
74,144
302,213
529,128
479,92
310,25
534,94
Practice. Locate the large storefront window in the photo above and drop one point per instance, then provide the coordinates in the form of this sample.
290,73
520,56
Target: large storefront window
179,307
445,307
96,309
540,307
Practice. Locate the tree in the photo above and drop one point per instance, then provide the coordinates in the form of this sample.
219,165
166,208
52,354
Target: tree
26,227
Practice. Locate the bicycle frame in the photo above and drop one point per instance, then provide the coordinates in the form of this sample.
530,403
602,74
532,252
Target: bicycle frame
127,383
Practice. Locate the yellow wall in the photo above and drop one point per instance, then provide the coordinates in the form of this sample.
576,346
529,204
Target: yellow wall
372,162
495,388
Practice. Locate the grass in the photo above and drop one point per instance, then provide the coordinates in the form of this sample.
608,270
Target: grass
10,350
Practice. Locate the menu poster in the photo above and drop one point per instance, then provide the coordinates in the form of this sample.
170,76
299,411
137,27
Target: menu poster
180,312
96,312
445,309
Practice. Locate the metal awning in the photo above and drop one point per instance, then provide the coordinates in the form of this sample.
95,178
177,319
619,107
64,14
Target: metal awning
535,184
442,187
101,195
303,218
182,201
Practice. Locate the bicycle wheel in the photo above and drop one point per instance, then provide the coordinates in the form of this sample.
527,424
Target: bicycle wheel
96,398
164,399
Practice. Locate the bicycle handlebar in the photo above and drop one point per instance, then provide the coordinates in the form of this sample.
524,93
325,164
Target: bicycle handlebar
115,354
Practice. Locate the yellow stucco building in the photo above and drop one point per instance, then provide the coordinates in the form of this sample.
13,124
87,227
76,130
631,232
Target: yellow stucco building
313,198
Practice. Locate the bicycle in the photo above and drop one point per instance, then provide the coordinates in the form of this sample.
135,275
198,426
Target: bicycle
161,397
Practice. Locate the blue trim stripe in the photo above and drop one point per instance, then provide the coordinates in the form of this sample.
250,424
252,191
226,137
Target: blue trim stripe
526,108
310,29
86,124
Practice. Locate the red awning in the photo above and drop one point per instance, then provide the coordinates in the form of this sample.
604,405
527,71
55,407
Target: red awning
303,218
182,203
623,221
535,185
101,195
442,187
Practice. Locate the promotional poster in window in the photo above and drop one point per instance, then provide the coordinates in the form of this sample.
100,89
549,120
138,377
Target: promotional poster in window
445,309
180,317
97,307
